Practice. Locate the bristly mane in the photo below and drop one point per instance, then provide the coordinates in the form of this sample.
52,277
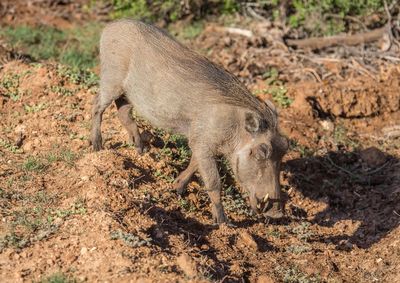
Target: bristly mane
199,71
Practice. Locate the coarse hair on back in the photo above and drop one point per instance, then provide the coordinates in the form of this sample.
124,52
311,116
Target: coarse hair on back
223,87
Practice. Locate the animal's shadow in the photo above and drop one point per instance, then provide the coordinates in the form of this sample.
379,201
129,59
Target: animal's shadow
352,191
193,233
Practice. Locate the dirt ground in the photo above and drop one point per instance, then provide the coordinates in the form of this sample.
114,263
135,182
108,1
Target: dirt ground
112,216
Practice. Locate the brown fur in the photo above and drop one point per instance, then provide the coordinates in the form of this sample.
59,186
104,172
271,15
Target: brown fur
176,89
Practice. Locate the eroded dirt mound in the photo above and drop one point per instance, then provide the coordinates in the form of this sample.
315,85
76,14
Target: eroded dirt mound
355,98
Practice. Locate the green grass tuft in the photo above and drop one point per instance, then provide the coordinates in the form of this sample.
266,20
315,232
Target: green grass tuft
76,47
58,278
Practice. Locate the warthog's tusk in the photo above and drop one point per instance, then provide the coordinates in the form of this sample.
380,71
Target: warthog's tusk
266,198
258,206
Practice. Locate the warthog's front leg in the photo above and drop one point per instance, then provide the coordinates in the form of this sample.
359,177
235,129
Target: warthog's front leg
207,166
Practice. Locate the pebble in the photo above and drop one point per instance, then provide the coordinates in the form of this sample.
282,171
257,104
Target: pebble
84,251
248,240
265,279
188,266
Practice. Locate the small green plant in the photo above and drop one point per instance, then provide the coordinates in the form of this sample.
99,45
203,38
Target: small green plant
303,150
130,239
192,31
316,16
298,249
340,134
275,88
303,231
63,155
294,275
161,175
77,208
186,205
33,164
175,149
34,108
271,76
340,137
274,233
10,147
136,9
279,96
68,157
229,6
234,202
61,90
9,86
78,76
36,220
58,278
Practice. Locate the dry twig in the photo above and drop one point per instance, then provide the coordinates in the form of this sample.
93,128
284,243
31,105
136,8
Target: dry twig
322,42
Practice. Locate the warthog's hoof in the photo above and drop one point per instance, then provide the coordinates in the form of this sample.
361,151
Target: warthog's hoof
179,186
220,218
139,149
97,145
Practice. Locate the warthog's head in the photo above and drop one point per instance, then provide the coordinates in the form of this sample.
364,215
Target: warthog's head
256,163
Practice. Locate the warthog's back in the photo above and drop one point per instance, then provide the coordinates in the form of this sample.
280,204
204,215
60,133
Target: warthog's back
166,82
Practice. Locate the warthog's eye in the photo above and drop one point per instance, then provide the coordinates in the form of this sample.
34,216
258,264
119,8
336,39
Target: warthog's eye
261,152
254,124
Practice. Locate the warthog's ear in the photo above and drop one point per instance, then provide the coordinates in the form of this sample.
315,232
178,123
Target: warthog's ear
253,123
271,105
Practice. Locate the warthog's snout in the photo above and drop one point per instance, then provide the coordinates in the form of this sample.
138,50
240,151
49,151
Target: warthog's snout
268,207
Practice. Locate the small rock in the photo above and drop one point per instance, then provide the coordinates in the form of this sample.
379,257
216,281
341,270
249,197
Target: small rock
143,280
187,265
327,125
82,278
235,268
58,221
20,129
28,146
25,272
69,259
204,247
85,178
373,156
84,251
193,199
265,279
248,240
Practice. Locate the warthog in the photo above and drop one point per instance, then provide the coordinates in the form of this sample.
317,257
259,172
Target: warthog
176,89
